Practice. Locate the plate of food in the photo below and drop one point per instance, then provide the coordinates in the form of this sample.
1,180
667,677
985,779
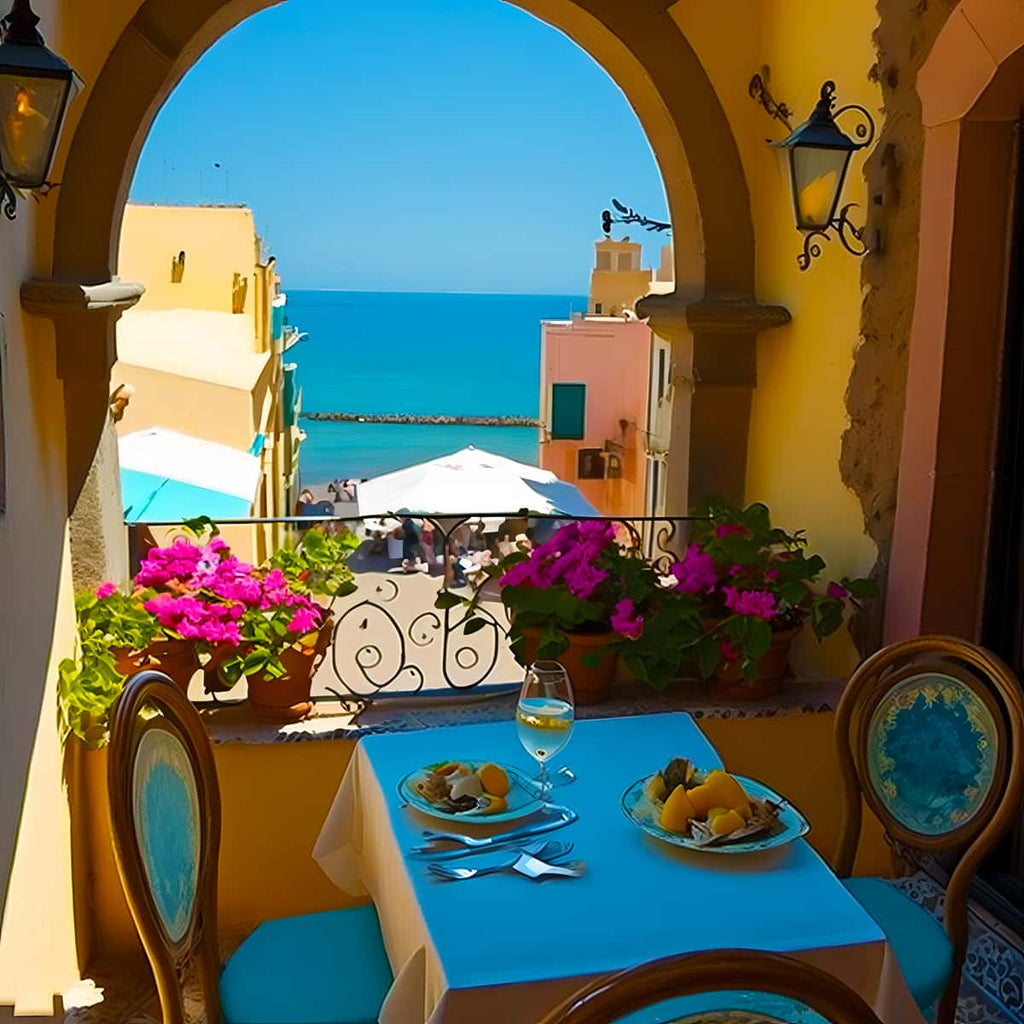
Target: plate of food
712,810
457,790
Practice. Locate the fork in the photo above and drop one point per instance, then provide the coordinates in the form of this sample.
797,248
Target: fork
538,848
531,867
546,851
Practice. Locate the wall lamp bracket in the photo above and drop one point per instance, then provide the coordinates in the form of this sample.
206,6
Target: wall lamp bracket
758,89
818,155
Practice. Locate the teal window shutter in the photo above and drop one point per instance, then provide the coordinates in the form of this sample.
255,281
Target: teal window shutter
568,411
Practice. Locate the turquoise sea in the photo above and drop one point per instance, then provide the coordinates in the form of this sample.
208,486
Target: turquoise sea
416,352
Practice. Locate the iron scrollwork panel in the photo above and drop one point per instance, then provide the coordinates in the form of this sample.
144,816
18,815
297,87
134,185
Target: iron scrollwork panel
389,643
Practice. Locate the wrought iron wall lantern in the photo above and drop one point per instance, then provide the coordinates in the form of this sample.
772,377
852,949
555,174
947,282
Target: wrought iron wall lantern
818,157
36,87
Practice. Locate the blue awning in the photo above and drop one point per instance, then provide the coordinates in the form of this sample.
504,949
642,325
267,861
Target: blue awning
156,499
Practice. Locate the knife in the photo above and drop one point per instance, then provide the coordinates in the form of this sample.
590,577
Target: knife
475,844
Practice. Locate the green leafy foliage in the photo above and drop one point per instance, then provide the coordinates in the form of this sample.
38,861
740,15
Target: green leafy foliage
759,567
90,683
87,688
317,564
625,587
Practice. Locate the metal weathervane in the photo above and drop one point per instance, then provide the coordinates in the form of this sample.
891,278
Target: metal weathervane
627,215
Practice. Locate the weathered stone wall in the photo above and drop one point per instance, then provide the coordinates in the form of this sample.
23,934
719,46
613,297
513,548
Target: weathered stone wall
875,396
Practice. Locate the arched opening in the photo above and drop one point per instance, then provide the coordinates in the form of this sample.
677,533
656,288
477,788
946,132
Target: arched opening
646,55
959,535
938,572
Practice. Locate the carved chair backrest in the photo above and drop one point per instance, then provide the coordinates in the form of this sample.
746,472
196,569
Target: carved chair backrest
165,816
749,986
929,735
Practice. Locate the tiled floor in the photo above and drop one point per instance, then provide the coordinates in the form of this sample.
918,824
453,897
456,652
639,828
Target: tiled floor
992,991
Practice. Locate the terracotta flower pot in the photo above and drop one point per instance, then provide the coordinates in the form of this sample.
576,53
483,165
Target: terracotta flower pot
212,680
287,699
175,658
728,682
589,685
127,661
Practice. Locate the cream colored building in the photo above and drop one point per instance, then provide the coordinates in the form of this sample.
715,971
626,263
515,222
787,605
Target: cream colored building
203,352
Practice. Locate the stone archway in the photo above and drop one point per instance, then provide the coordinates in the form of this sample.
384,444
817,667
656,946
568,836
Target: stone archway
972,90
637,43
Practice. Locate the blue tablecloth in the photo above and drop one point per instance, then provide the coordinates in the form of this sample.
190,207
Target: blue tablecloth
639,900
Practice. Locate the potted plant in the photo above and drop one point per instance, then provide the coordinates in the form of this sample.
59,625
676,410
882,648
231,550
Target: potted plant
111,620
757,587
587,600
260,623
114,631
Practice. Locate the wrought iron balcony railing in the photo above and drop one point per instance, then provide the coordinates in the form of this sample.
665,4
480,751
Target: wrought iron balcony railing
390,637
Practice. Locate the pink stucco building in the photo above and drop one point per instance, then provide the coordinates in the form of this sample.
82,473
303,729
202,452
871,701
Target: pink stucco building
606,390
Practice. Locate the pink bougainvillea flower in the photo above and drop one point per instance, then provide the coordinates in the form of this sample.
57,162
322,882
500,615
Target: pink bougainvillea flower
583,579
105,590
771,574
517,576
626,621
729,653
736,570
838,591
759,604
305,620
729,529
696,573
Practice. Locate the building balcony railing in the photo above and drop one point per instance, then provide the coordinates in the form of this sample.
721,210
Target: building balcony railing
392,637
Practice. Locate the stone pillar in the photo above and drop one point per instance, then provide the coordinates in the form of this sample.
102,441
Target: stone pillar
711,410
99,542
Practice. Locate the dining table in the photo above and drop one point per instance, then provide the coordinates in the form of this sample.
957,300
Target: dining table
504,949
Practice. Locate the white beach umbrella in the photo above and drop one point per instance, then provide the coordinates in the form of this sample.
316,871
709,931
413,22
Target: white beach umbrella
471,480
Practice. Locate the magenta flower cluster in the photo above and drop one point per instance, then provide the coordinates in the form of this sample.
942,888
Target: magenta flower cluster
626,621
696,573
573,559
760,604
206,592
570,557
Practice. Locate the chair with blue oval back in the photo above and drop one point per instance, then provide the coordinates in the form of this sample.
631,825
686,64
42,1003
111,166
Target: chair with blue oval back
326,968
929,735
725,986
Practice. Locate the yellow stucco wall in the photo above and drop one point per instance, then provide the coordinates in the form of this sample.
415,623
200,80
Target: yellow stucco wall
267,870
228,416
196,366
36,613
799,413
274,800
38,955
218,243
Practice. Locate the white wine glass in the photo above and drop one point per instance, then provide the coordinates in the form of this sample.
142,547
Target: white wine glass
544,716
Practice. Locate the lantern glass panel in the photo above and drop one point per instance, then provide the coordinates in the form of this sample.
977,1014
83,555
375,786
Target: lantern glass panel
818,175
31,111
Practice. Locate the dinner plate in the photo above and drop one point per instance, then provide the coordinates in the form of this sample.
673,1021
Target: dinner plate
792,824
522,800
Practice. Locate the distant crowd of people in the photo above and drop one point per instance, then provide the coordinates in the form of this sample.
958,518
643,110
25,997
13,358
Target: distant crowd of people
342,491
468,548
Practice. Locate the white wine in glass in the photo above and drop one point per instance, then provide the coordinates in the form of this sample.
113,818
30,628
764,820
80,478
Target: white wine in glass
544,716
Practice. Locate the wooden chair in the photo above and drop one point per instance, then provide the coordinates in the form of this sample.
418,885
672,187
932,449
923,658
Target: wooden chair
929,734
755,974
165,813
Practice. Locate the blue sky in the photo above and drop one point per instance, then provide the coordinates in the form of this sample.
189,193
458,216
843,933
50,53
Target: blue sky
422,145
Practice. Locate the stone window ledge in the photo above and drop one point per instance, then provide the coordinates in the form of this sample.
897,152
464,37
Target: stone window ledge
334,719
